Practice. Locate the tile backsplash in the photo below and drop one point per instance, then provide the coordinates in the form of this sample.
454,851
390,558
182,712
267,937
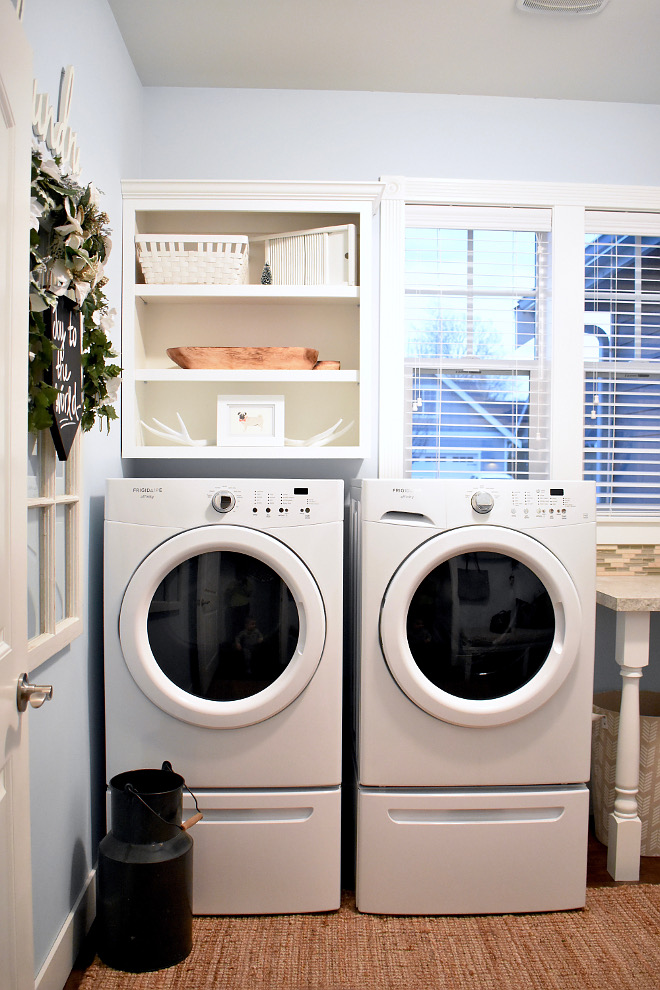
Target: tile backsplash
624,558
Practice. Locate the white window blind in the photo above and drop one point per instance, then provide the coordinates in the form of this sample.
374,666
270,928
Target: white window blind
476,376
622,362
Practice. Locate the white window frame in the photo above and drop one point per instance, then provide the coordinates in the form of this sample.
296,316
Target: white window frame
616,369
492,218
54,635
569,203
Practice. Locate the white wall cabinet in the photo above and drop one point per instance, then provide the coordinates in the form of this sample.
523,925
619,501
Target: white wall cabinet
334,317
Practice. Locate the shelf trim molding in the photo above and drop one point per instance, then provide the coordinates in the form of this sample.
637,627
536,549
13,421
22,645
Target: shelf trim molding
241,453
252,293
180,376
194,190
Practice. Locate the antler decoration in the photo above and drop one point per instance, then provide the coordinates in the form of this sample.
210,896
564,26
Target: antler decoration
321,439
181,436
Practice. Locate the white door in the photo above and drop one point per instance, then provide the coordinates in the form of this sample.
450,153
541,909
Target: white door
480,625
16,950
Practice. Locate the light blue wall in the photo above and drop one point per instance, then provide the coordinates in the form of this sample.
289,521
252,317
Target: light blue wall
66,735
283,134
127,132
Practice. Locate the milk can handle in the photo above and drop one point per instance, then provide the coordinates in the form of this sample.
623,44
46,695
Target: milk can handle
197,817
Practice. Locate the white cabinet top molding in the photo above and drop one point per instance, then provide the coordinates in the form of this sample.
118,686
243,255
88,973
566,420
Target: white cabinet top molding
230,191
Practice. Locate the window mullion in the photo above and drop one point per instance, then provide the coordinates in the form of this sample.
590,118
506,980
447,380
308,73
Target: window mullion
73,549
411,375
48,585
638,297
470,294
392,397
566,416
539,379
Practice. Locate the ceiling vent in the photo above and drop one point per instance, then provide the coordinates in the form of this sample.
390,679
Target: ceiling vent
562,6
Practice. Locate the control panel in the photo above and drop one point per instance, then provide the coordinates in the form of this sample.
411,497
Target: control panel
285,505
187,503
530,504
445,503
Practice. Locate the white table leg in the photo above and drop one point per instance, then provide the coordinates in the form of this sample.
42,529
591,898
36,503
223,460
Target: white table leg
625,827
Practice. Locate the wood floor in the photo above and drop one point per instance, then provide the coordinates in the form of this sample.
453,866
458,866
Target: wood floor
597,876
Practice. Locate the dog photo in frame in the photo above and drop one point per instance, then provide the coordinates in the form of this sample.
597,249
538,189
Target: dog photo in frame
250,420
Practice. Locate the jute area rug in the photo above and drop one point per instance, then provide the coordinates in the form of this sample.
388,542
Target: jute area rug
613,944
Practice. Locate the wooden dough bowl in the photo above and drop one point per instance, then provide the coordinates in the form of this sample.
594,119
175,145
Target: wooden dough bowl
244,358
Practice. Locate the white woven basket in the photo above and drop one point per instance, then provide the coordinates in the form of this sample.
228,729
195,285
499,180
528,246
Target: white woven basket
193,259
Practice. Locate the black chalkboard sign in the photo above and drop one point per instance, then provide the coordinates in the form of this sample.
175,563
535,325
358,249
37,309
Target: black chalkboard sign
66,373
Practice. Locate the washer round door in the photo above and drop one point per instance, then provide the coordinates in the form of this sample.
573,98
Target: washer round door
222,626
480,625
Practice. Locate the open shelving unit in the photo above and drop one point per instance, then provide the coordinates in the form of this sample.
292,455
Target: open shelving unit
336,318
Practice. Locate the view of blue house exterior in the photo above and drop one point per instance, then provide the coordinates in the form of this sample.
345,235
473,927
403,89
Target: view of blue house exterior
475,421
622,384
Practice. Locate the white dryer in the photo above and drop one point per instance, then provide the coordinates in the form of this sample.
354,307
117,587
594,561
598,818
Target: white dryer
475,643
223,655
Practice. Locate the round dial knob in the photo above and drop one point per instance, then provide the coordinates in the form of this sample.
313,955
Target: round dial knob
482,502
223,501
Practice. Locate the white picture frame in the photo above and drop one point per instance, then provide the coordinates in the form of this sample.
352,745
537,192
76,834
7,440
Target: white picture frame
250,421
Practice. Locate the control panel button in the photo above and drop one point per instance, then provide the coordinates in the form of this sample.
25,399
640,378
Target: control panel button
223,501
482,502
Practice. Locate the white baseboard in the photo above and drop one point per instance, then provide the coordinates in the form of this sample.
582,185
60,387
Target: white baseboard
56,969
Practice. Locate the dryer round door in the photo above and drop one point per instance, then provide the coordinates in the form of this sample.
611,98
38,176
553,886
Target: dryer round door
222,626
480,625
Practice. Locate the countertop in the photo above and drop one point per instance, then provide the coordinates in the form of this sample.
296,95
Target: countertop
629,592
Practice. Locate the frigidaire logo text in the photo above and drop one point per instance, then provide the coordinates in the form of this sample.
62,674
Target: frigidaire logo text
142,490
403,491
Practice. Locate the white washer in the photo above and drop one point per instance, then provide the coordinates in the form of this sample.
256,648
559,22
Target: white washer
223,655
475,642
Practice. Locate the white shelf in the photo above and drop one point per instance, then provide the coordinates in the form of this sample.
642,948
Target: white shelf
266,294
242,453
334,319
180,376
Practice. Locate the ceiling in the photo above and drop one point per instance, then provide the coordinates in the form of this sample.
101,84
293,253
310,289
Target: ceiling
471,47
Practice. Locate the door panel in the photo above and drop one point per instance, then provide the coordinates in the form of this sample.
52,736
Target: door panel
222,626
16,947
480,625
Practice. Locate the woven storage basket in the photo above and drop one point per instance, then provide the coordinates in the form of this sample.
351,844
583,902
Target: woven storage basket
193,259
605,733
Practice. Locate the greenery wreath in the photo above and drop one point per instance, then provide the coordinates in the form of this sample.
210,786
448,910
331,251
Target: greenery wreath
69,245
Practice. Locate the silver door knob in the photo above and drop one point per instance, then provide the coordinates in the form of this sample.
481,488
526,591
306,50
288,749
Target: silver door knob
34,694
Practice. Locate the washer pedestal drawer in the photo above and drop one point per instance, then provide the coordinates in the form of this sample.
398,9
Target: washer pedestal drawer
266,852
477,851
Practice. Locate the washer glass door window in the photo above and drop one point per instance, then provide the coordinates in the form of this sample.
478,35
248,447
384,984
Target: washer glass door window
480,625
222,626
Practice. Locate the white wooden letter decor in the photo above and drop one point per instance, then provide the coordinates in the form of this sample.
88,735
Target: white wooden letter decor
60,140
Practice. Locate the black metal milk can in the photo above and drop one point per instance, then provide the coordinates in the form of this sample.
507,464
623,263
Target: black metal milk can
144,878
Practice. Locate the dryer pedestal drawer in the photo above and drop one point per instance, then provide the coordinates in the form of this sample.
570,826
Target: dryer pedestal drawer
266,852
478,851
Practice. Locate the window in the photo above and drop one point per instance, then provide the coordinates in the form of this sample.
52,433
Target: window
475,320
53,507
520,338
622,367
